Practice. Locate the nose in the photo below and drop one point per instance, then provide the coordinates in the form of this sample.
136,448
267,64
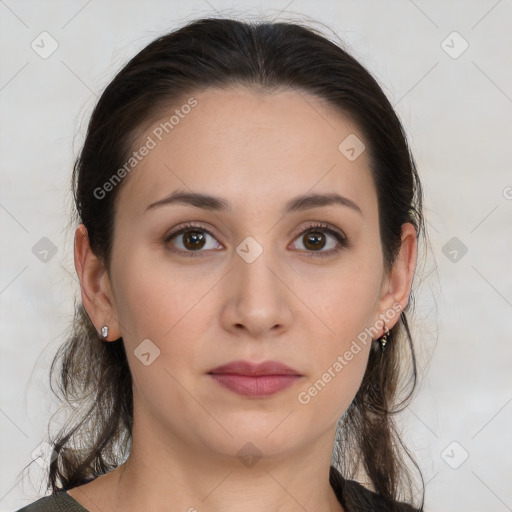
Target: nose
258,303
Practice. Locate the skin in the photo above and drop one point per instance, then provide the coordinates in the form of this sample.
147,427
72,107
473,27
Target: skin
257,151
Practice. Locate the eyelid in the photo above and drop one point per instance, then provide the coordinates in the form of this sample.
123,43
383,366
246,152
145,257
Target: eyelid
328,228
190,225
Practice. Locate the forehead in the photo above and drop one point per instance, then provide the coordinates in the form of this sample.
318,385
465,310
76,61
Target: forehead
250,147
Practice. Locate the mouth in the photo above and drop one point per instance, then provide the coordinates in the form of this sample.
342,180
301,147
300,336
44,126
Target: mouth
255,380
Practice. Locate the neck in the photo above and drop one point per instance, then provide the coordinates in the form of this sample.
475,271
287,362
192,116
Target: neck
168,473
172,476
223,487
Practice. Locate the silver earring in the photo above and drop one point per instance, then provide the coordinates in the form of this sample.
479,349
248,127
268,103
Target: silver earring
104,332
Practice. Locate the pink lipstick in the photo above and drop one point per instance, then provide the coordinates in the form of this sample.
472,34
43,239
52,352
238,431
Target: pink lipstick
255,380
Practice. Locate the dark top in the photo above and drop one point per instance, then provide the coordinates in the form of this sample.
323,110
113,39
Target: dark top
346,491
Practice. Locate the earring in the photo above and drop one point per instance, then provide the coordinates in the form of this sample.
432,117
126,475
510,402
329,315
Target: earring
104,332
383,340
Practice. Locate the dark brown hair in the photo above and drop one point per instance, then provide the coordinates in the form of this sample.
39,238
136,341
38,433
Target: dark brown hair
264,56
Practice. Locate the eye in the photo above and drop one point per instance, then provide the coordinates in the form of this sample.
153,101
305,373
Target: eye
191,239
315,238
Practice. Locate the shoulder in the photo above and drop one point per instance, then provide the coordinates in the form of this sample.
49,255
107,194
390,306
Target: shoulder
356,498
57,502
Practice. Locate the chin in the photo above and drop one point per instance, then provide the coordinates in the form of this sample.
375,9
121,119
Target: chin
265,434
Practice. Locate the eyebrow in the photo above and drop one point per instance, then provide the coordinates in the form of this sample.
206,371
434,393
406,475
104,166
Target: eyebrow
212,203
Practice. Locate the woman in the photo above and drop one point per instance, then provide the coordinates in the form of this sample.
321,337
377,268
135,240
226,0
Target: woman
248,221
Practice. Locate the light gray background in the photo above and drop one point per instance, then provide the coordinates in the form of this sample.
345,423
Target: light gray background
457,112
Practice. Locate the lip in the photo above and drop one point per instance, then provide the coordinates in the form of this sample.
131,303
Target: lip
255,379
255,369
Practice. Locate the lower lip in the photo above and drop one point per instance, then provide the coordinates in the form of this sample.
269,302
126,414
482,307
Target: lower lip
255,386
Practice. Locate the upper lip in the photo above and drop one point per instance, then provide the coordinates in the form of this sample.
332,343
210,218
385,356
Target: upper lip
255,369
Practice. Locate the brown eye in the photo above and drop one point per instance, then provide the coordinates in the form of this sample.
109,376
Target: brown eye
320,236
314,240
190,240
193,240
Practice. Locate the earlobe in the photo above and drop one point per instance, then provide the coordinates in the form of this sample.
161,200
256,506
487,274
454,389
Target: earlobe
95,285
399,282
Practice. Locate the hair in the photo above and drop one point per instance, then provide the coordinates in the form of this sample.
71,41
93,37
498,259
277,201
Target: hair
265,57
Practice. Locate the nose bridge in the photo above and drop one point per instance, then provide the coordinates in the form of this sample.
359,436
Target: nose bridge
255,268
258,299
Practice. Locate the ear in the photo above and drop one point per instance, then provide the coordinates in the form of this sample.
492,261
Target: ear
97,296
397,284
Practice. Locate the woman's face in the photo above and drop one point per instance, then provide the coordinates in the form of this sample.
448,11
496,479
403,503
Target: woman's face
251,280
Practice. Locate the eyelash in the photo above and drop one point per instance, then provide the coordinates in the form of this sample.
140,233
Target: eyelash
342,240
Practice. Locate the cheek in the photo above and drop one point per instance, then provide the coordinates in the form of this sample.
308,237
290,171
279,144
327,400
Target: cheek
159,304
346,304
339,357
173,308
345,299
156,298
